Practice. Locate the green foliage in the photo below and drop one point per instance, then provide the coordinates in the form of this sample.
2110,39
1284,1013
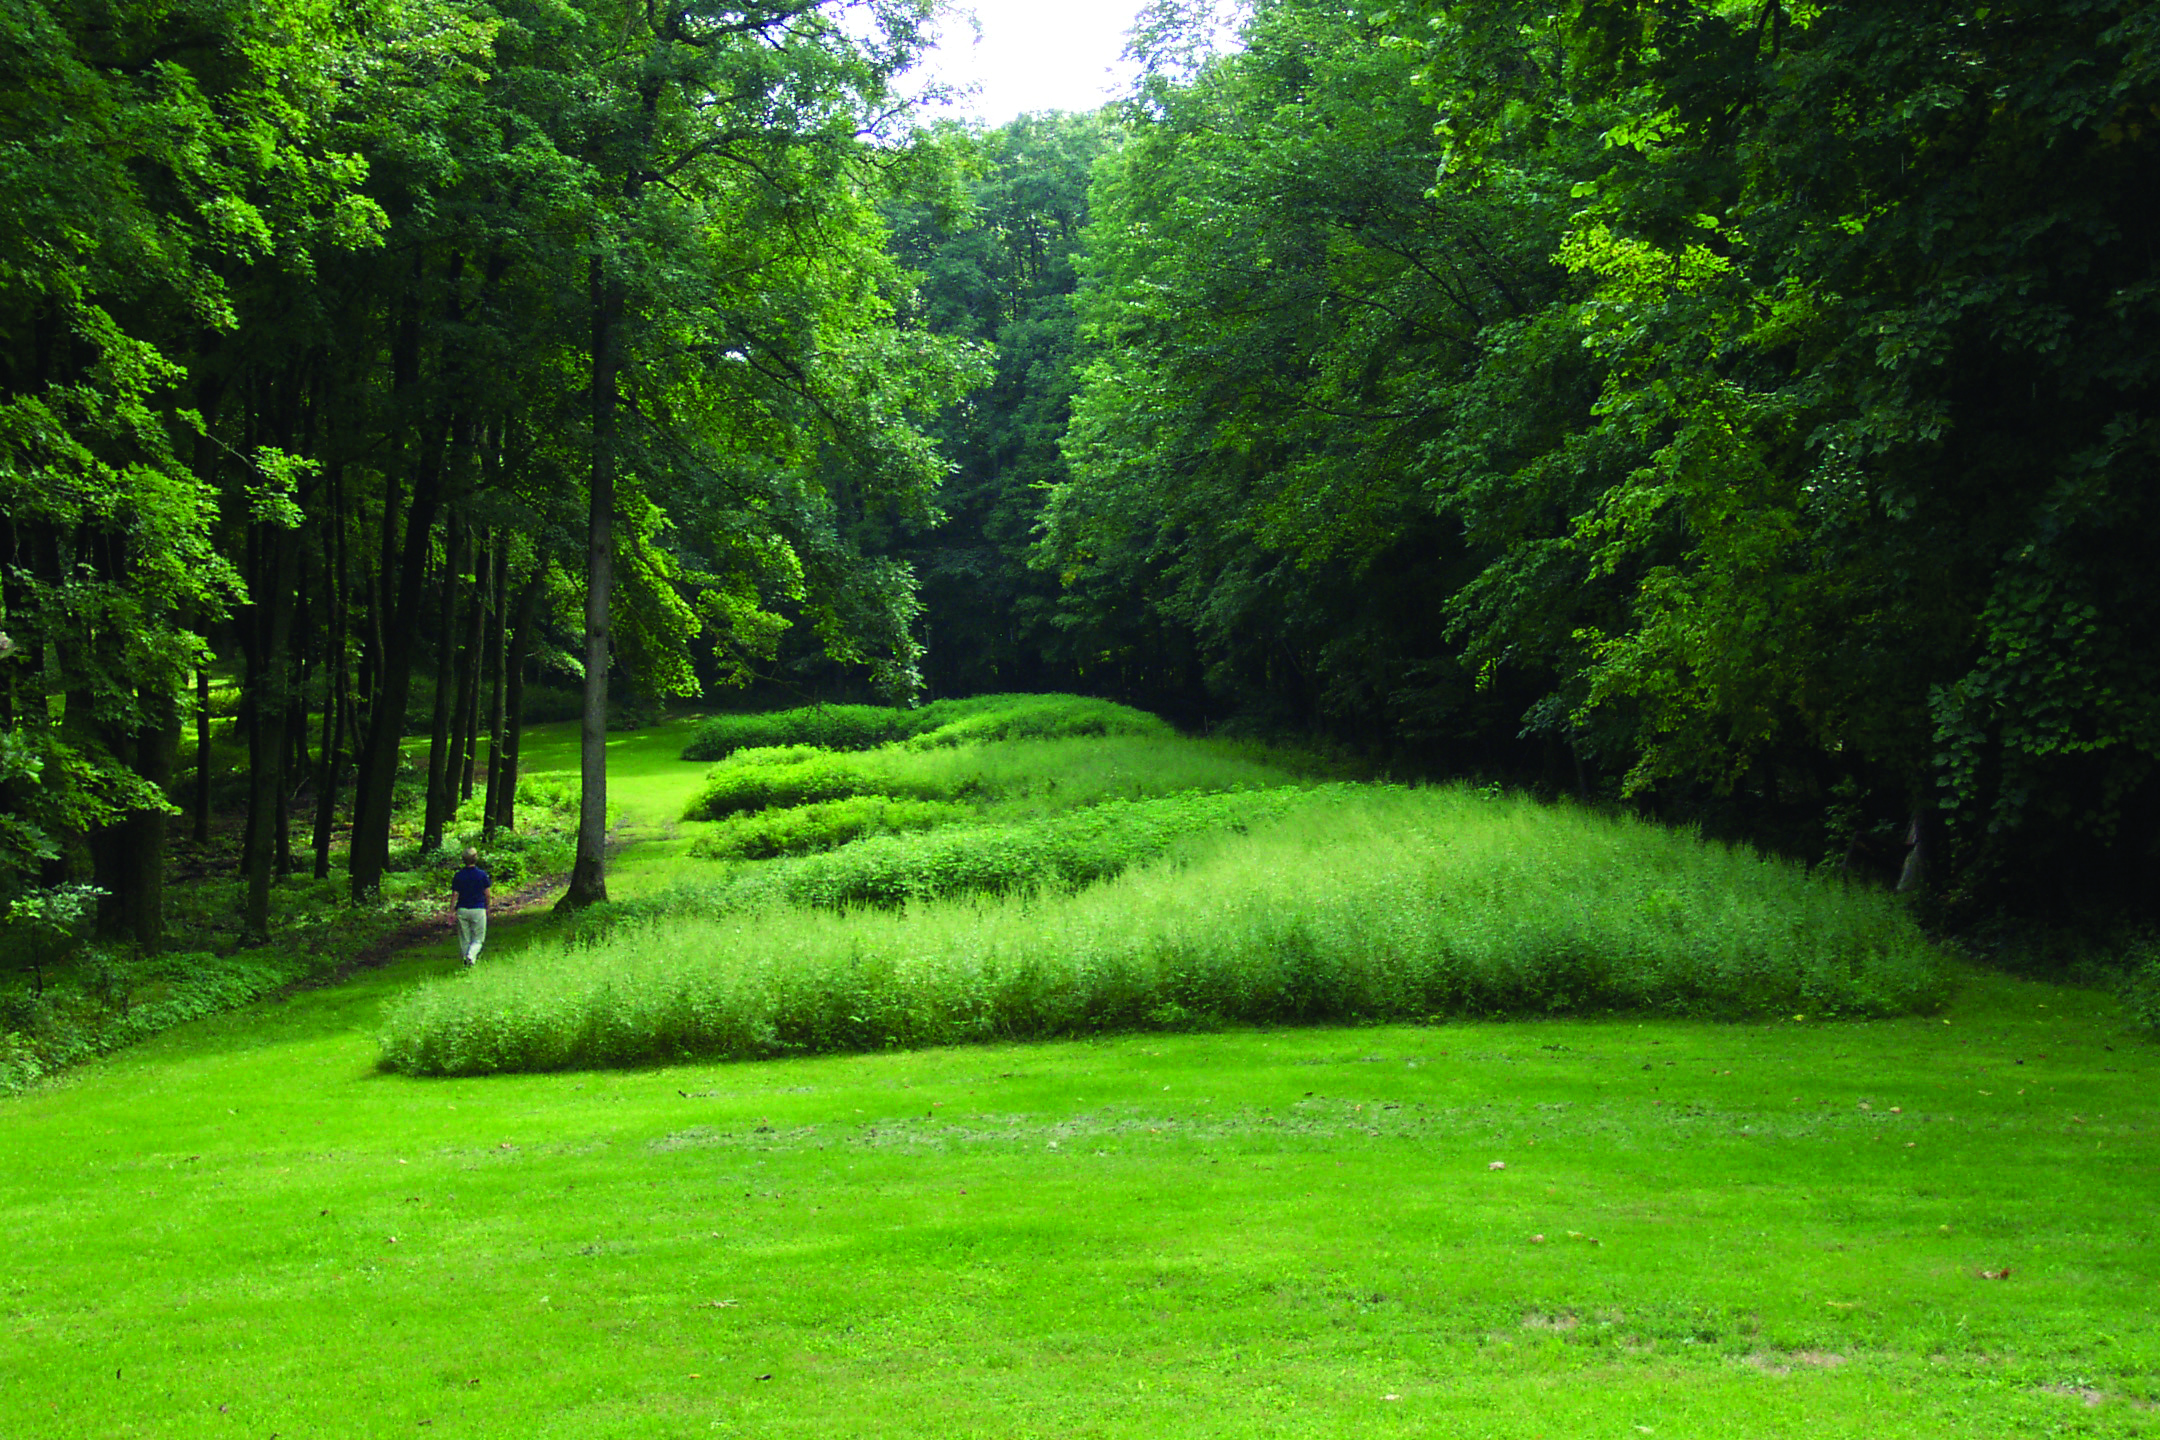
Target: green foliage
1003,272
108,1001
1064,773
944,722
1396,905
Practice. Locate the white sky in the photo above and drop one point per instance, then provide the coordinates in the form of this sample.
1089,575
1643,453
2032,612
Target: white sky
1034,55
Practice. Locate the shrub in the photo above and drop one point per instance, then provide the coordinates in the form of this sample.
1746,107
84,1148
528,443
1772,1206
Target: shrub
1394,905
112,1001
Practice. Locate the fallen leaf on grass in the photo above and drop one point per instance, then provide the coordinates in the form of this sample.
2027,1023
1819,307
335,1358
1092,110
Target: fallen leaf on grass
1497,1165
2002,1274
1391,1397
1537,1239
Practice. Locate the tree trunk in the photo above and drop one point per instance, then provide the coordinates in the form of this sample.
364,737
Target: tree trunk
446,683
402,573
143,899
202,755
266,757
498,656
505,810
333,673
470,674
588,878
1919,852
372,794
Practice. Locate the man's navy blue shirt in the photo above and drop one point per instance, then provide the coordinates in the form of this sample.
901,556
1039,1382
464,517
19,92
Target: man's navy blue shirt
471,885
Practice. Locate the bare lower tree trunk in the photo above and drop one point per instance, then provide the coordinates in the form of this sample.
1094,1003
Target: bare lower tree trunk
333,673
438,810
505,809
1919,852
143,867
498,655
470,668
266,793
588,879
202,755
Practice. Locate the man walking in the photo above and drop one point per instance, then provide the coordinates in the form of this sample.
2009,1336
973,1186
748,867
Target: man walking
470,885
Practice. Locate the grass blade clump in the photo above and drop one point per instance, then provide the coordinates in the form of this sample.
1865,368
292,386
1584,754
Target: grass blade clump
1399,905
1059,774
832,727
822,825
973,720
1062,851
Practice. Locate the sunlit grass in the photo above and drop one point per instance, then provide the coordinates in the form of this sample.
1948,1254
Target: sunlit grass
1383,905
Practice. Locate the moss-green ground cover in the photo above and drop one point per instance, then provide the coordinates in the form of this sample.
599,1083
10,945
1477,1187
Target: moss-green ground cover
244,1227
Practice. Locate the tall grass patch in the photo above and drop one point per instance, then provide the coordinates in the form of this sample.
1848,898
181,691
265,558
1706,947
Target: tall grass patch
1060,773
1394,905
1060,851
973,720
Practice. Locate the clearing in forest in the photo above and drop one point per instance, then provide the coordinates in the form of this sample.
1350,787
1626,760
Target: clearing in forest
1681,1212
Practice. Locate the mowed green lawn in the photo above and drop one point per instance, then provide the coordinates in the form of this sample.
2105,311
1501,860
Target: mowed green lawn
245,1228
242,1228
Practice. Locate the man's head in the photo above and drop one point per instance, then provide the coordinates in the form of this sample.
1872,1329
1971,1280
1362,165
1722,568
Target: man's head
472,856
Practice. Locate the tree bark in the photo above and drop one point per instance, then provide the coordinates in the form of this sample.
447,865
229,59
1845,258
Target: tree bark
447,680
498,656
505,810
588,878
471,668
143,899
202,755
372,795
266,758
333,673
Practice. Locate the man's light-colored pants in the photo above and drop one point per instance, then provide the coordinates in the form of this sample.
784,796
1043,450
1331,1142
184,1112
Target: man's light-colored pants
471,932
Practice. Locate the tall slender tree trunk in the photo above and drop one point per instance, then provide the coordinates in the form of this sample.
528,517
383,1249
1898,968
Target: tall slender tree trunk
292,756
333,673
386,725
266,795
498,637
395,611
505,810
588,878
470,667
143,866
202,755
437,813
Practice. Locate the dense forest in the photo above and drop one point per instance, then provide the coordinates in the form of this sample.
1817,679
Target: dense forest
1742,412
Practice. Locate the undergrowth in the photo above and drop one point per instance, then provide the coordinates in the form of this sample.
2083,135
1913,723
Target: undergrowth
1389,905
